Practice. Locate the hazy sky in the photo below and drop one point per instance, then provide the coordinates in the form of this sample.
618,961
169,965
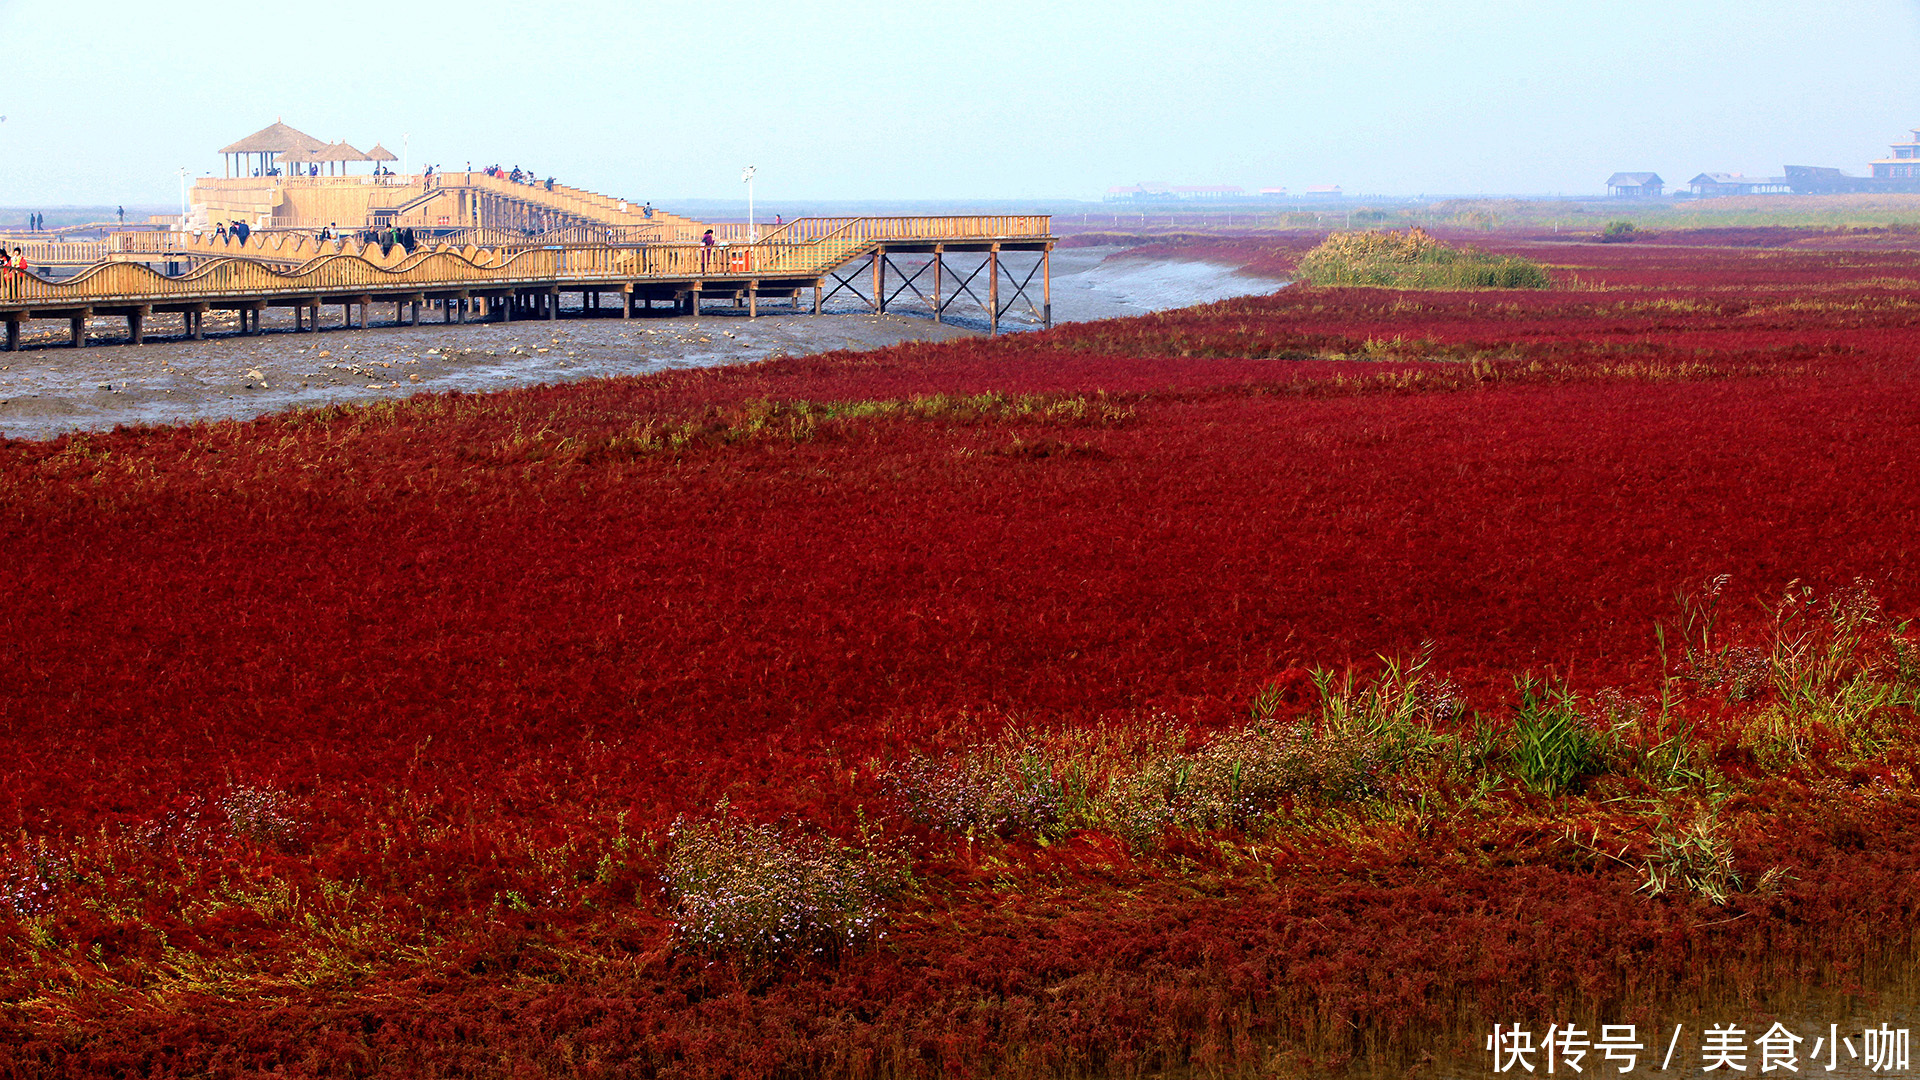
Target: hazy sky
1041,99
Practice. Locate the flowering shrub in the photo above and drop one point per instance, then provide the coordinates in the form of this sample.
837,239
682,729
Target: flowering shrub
745,889
260,815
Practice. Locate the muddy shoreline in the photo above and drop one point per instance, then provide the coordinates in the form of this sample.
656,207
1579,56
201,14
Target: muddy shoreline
47,388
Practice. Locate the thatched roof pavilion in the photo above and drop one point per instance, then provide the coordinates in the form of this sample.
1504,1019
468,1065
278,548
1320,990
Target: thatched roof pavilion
296,162
336,155
264,145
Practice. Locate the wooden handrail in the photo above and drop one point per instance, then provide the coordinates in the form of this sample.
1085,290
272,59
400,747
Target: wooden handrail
808,248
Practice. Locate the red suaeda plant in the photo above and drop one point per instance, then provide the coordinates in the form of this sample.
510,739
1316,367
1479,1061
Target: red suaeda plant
384,714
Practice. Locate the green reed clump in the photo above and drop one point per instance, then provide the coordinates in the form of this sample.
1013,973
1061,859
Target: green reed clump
1693,857
1554,747
1415,260
747,890
1395,710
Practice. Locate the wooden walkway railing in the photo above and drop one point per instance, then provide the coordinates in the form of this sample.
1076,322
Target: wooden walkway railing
800,250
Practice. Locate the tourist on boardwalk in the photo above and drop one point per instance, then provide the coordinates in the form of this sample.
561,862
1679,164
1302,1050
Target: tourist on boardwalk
241,230
220,232
706,250
647,211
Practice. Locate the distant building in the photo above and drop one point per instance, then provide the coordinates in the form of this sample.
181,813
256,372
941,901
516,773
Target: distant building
1635,185
1899,173
1905,162
1322,191
1273,192
1719,183
1160,191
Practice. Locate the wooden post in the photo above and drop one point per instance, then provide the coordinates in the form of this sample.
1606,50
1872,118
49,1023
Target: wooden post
553,303
1046,285
297,319
365,303
753,299
879,280
79,328
626,301
199,331
313,317
413,315
506,309
258,307
136,324
993,290
816,296
460,304
939,264
446,311
13,335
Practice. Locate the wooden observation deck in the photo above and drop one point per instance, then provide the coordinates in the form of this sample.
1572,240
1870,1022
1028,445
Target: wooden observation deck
520,276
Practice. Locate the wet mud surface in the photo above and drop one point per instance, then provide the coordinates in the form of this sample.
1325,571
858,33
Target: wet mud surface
48,388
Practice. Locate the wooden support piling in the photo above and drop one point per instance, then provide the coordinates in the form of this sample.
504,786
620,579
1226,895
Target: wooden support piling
753,299
1046,286
136,324
939,265
993,290
879,280
78,327
13,335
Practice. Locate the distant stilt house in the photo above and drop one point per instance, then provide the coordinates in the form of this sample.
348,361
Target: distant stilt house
1719,183
1635,185
1821,180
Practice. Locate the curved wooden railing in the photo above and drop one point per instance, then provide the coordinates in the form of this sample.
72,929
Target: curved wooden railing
225,278
803,249
58,252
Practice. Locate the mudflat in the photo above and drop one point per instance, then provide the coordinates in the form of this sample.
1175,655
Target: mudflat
47,388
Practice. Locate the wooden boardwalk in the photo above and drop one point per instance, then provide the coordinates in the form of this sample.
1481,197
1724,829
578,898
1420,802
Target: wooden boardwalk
295,271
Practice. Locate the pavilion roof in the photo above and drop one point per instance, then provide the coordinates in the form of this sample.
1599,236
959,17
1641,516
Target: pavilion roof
272,139
340,151
381,153
299,157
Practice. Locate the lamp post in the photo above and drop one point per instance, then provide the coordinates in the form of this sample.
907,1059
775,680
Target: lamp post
746,177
